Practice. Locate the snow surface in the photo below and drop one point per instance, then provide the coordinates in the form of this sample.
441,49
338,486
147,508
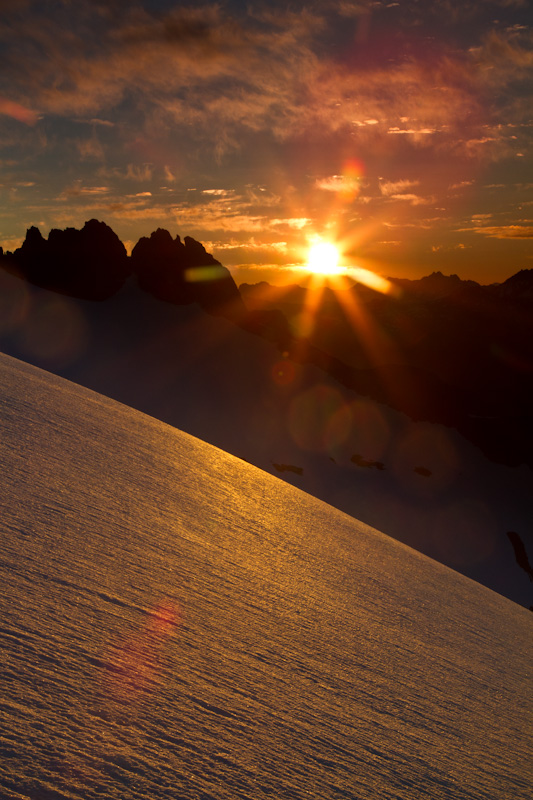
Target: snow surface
178,624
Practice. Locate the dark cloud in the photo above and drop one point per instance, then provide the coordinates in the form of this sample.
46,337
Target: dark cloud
203,67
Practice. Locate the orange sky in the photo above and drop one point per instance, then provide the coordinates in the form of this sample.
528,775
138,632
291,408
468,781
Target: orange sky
401,133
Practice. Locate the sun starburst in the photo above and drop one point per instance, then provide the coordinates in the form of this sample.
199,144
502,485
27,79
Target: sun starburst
323,259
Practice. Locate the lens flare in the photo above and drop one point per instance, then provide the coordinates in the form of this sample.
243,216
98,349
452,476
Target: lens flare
310,418
372,280
283,372
133,665
352,174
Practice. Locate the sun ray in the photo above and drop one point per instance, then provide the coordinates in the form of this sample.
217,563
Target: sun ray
326,265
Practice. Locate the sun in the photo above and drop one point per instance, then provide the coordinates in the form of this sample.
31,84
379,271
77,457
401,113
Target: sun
323,259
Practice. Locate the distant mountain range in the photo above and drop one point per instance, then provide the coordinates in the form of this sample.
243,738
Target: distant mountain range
439,349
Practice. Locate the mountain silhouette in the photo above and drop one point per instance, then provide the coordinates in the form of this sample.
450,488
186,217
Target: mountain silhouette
91,263
184,272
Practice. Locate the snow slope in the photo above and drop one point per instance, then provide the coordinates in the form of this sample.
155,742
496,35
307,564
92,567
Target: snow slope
178,624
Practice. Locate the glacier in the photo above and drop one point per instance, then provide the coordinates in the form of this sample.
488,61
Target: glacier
177,623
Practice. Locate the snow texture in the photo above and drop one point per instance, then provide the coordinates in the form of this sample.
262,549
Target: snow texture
176,623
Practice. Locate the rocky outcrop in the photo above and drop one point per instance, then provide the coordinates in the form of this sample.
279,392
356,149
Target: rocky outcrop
520,553
90,263
184,272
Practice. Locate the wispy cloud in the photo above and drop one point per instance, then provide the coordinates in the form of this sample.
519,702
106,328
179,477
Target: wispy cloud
17,111
504,231
392,188
202,67
169,175
505,55
218,192
296,223
140,173
461,185
399,191
216,216
78,190
335,183
414,133
90,149
136,211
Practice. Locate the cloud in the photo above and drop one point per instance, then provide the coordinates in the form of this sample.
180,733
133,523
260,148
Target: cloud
77,190
103,122
396,190
504,231
135,172
169,175
296,223
12,243
505,56
414,133
250,252
121,210
90,149
461,184
251,244
334,183
414,199
141,173
217,216
194,83
218,192
224,75
449,248
17,111
391,188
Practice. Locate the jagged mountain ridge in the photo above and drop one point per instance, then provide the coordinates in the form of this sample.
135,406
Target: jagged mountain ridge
92,264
